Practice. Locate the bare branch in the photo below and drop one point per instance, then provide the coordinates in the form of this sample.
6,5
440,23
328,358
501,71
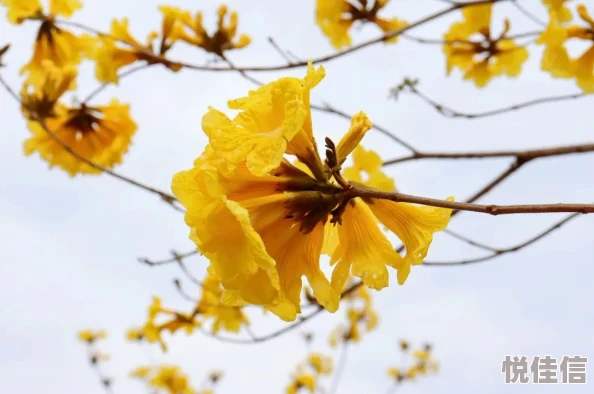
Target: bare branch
490,209
522,155
501,252
452,113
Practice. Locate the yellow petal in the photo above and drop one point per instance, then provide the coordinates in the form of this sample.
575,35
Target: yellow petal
414,225
363,247
360,124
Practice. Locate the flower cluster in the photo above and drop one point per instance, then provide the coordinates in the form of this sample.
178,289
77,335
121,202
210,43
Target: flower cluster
168,379
280,217
307,374
89,138
337,17
207,309
487,56
420,364
556,58
360,314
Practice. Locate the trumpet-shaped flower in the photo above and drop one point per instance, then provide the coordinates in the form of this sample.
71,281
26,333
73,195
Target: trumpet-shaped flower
556,59
481,59
336,17
100,134
223,39
52,43
110,56
279,217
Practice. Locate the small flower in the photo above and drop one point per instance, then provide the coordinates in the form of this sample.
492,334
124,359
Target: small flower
161,319
300,382
134,334
110,57
42,101
556,59
336,17
321,364
91,336
169,378
100,134
52,42
193,32
396,374
227,317
484,58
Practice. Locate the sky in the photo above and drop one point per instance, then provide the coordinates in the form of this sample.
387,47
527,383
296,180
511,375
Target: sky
70,246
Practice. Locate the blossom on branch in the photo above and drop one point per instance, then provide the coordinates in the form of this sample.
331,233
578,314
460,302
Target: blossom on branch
487,56
242,191
52,43
192,31
99,133
336,17
110,56
556,59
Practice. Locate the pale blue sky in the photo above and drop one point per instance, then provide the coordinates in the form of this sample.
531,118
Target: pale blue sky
70,245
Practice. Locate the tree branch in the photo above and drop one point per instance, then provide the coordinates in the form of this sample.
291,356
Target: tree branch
521,155
501,252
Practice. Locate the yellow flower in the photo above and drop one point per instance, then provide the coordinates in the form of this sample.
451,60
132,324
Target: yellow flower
100,134
336,17
41,102
302,381
483,58
558,9
229,318
52,42
168,378
396,374
110,57
556,59
222,40
90,336
20,10
366,169
422,355
320,363
134,334
242,191
173,321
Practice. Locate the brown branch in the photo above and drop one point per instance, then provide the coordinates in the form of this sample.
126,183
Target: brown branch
490,209
501,252
452,113
275,334
169,199
521,155
174,259
454,7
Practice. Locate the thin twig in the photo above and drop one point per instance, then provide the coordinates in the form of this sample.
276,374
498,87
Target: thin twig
452,113
500,252
528,14
340,368
103,86
522,155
